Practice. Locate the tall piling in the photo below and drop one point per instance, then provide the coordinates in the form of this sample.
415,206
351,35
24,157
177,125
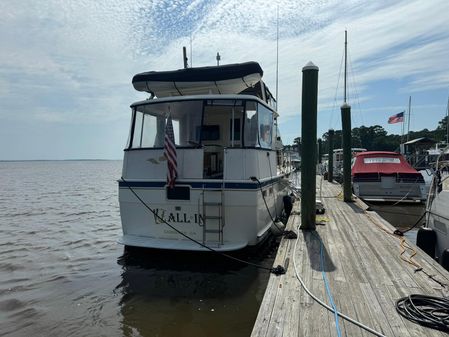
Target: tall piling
308,145
346,134
330,163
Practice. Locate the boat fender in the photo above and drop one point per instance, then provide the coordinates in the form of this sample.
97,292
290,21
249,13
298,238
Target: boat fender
445,259
319,207
288,205
426,240
320,211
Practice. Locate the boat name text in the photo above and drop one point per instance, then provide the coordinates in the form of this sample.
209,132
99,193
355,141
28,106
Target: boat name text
161,215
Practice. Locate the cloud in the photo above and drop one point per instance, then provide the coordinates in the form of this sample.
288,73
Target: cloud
72,61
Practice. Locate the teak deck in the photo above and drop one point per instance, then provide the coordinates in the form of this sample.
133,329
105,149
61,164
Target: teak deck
365,272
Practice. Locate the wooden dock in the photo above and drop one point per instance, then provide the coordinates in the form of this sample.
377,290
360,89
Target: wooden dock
366,274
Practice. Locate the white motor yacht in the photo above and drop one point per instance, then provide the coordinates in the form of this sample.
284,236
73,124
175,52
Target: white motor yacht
202,167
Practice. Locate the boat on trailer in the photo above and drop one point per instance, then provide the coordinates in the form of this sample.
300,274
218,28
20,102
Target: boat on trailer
230,178
386,176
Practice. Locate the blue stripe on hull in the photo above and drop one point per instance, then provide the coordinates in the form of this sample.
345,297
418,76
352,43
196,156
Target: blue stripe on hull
200,184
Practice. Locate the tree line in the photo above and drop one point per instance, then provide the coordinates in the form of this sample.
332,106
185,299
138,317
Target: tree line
376,138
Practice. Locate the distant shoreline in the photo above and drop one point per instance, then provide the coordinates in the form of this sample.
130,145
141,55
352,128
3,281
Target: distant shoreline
26,160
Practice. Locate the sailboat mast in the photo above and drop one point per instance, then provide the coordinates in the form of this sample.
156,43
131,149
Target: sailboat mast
408,122
346,62
277,56
447,122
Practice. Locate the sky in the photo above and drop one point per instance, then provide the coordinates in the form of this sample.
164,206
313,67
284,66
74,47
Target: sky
66,65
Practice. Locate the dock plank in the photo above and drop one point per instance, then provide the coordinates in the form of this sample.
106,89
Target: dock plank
365,272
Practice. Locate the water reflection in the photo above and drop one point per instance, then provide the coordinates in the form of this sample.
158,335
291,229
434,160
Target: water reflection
172,293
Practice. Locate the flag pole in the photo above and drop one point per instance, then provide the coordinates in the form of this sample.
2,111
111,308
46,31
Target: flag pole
408,121
402,131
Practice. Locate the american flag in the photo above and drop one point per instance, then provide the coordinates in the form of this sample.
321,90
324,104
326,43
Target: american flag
396,118
170,153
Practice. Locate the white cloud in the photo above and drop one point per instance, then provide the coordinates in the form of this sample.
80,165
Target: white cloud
72,61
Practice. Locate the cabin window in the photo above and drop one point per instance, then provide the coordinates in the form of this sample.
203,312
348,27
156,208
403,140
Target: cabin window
381,160
151,120
234,130
222,123
209,132
265,126
137,130
128,142
251,134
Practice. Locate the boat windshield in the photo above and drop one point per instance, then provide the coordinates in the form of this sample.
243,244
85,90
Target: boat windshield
220,122
151,119
381,160
258,126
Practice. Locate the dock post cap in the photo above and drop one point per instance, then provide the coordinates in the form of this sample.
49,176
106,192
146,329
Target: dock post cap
345,106
310,66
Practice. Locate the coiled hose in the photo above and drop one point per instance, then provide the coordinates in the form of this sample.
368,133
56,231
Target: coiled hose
428,311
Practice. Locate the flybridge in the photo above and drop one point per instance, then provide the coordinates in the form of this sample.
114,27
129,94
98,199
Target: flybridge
227,79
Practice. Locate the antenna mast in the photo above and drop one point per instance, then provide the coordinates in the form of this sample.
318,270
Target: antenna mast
277,55
447,122
218,58
184,57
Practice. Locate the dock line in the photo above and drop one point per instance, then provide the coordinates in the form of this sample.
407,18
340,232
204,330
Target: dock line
404,246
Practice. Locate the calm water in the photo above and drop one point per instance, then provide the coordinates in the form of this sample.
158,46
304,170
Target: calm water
402,216
63,274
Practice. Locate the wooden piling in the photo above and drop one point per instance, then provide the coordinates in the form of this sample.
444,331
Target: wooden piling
330,170
309,141
346,135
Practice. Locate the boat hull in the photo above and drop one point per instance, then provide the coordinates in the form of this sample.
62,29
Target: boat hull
157,222
388,189
438,220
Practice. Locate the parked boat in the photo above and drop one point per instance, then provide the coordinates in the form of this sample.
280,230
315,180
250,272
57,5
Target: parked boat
226,179
386,176
437,217
337,160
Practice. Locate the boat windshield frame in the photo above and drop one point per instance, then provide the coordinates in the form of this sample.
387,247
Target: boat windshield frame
192,138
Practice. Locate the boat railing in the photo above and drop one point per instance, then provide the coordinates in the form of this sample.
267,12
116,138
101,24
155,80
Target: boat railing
420,161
